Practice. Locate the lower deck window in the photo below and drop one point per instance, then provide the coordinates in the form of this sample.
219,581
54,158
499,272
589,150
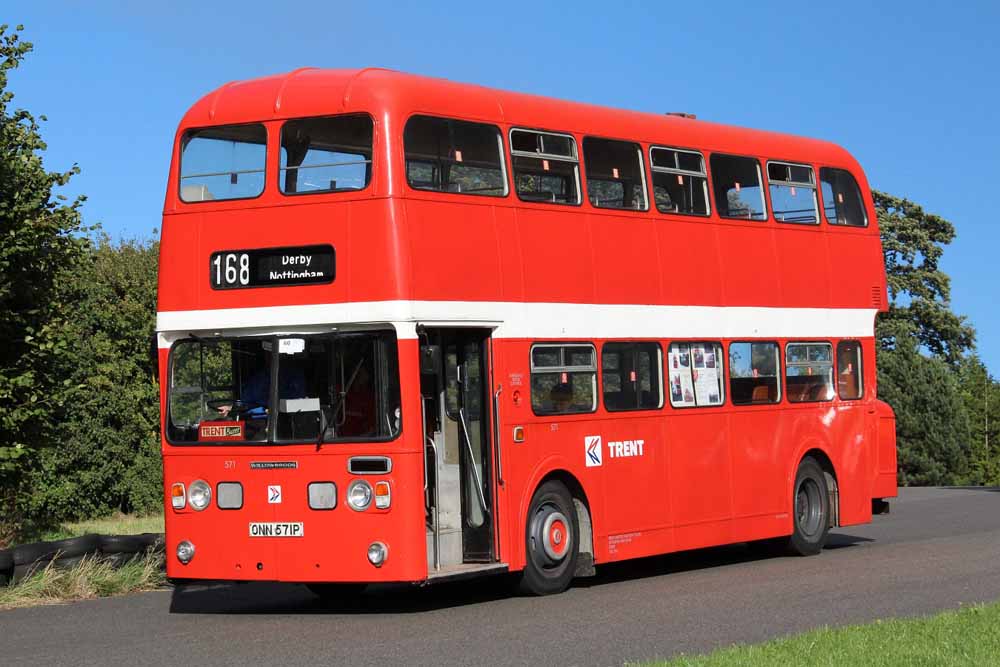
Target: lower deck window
329,388
563,378
754,373
849,384
695,372
631,377
809,372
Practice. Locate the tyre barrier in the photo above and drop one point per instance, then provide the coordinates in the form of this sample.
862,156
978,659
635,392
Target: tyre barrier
21,561
6,566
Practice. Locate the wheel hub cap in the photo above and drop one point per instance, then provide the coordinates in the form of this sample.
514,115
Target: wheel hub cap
556,537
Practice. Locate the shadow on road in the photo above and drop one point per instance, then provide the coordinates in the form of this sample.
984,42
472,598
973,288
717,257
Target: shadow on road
279,598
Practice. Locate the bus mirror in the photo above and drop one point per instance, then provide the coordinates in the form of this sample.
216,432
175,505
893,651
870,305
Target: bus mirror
430,359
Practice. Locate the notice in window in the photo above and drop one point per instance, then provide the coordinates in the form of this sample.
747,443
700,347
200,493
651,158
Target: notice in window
681,386
706,374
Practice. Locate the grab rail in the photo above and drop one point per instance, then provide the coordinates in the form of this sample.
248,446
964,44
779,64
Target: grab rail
472,464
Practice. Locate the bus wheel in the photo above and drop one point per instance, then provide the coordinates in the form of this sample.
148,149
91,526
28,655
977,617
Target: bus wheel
551,541
810,510
329,592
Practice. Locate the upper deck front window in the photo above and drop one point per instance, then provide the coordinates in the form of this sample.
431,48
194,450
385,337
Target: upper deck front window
326,154
225,162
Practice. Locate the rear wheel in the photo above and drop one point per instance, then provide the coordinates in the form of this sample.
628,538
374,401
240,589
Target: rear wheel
551,541
810,510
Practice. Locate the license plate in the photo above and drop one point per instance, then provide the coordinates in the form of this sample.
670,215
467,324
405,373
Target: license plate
277,529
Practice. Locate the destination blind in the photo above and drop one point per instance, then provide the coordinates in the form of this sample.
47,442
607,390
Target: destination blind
272,267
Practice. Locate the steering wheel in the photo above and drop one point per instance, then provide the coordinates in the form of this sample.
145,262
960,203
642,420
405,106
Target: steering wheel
238,407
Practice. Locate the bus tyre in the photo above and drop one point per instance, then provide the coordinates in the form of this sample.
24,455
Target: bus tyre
810,510
551,541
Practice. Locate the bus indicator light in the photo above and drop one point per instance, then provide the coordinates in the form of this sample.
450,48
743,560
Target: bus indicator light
383,495
178,497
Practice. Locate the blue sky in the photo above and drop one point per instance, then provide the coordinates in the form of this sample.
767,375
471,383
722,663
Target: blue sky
910,88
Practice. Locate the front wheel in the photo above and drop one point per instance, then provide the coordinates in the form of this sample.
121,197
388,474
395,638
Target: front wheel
810,510
551,541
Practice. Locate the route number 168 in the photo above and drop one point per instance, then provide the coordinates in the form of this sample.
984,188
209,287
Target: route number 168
231,270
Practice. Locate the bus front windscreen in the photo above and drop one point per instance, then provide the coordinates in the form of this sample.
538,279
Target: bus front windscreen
315,388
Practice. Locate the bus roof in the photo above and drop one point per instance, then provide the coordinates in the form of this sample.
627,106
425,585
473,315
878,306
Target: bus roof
314,92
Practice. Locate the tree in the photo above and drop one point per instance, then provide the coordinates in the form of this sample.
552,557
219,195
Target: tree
932,424
919,292
923,343
108,453
981,395
39,238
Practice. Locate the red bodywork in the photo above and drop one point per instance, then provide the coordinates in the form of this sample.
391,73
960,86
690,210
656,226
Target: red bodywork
709,475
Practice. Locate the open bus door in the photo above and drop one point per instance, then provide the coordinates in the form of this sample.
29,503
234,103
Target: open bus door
460,498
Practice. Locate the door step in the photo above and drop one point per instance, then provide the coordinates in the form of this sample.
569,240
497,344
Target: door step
465,571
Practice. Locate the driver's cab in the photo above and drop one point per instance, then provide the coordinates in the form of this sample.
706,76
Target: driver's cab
308,388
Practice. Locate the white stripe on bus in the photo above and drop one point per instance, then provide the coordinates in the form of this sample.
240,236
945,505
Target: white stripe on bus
529,320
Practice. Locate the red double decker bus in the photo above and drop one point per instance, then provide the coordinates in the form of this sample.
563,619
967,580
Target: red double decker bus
412,330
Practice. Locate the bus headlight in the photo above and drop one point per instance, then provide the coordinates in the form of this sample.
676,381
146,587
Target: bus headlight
377,553
359,495
185,552
199,494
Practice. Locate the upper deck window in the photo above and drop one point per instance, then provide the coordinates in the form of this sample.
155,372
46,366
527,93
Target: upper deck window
454,156
679,181
737,184
842,203
793,192
326,154
224,162
546,167
615,177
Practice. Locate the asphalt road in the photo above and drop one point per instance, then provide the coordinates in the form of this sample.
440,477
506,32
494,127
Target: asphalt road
938,549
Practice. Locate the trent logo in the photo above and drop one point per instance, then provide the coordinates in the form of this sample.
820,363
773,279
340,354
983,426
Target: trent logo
592,448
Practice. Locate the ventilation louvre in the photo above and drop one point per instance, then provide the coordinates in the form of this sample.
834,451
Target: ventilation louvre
877,296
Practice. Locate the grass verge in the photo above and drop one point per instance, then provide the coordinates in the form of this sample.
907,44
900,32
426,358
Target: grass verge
91,578
119,524
968,636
